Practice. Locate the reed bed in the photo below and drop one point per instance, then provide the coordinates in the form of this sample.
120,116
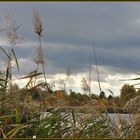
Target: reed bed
30,113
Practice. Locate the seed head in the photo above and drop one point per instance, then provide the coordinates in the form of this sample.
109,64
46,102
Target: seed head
37,23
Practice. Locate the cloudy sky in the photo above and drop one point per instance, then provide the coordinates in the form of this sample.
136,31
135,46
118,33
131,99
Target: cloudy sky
69,31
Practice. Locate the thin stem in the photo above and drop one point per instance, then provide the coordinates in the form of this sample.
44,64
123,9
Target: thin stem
97,69
43,66
10,70
89,74
36,77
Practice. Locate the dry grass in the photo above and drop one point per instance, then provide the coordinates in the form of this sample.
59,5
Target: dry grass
21,115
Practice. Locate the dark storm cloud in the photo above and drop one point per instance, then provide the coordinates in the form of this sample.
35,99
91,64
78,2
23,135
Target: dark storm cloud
113,27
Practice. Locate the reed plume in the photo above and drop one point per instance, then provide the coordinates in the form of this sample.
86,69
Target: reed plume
38,29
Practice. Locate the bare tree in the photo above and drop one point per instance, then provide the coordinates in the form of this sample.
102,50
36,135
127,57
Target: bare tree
68,73
85,86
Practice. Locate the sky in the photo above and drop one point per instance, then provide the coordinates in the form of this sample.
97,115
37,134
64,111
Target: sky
69,31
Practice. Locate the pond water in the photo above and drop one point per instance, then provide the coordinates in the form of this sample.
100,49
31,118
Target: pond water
116,118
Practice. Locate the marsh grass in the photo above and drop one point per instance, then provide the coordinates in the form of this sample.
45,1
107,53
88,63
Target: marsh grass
21,115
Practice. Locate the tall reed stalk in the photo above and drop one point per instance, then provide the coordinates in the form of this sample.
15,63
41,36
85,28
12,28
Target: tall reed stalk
96,63
38,29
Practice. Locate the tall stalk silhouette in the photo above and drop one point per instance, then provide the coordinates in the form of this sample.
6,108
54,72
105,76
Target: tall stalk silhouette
38,29
96,63
89,74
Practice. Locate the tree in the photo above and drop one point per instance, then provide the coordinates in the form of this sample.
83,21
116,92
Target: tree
127,92
117,101
68,72
110,100
110,97
102,95
94,96
85,86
